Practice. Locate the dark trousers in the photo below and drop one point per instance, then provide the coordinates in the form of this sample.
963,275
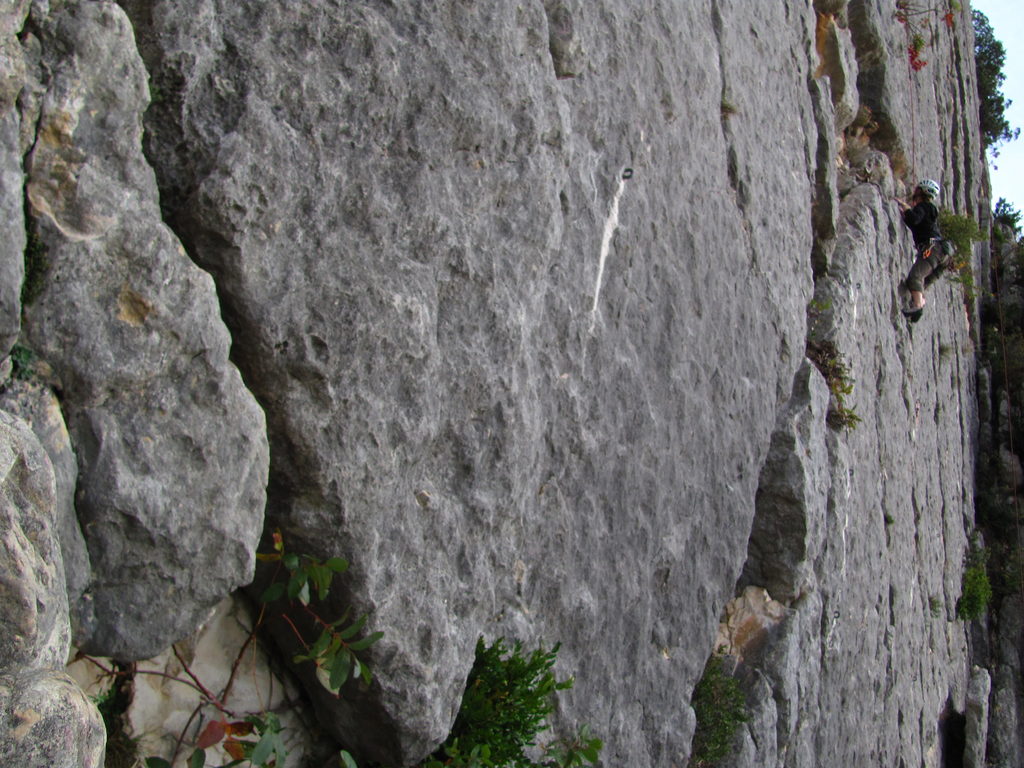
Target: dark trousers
928,266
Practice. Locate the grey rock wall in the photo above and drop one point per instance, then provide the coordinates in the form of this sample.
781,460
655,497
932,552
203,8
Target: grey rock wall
524,394
524,293
879,562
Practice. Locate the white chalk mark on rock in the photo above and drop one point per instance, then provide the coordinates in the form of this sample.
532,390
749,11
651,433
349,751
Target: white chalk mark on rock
610,225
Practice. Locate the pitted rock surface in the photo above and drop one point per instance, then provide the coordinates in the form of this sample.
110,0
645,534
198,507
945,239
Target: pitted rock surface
487,356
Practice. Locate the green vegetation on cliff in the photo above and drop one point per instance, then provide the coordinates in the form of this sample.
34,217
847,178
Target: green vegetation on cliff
989,57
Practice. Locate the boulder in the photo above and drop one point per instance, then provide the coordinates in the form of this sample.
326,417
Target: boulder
171,447
38,407
34,630
46,721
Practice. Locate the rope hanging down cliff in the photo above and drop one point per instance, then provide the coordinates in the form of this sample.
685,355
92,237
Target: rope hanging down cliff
913,125
914,64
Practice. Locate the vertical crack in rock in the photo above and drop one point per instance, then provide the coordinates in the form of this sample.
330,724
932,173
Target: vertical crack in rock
825,202
789,518
873,62
733,171
766,627
952,729
182,157
963,172
834,102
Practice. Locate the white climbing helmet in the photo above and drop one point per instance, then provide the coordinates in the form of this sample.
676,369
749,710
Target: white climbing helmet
930,188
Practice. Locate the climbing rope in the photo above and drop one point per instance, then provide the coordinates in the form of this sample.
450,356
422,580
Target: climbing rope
913,107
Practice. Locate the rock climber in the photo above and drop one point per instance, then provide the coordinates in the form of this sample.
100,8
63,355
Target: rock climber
933,256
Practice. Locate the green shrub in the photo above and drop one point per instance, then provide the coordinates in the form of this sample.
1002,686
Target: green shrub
961,231
22,363
1006,214
975,591
333,653
583,749
507,701
721,708
256,739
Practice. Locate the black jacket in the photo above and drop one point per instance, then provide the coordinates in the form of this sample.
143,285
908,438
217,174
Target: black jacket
923,220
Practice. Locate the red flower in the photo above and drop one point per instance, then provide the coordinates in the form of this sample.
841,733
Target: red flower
916,62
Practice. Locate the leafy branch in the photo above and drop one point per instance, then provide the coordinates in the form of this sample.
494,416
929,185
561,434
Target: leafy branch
255,738
334,650
830,363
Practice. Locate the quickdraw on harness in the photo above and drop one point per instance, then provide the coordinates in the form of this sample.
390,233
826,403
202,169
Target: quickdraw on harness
942,244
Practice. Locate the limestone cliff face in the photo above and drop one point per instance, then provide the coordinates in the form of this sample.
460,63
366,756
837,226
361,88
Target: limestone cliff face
520,294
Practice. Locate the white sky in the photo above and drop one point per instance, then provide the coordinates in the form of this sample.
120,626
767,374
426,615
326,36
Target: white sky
1007,20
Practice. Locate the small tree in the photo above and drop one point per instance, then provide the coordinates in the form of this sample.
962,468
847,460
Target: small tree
1006,214
989,57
